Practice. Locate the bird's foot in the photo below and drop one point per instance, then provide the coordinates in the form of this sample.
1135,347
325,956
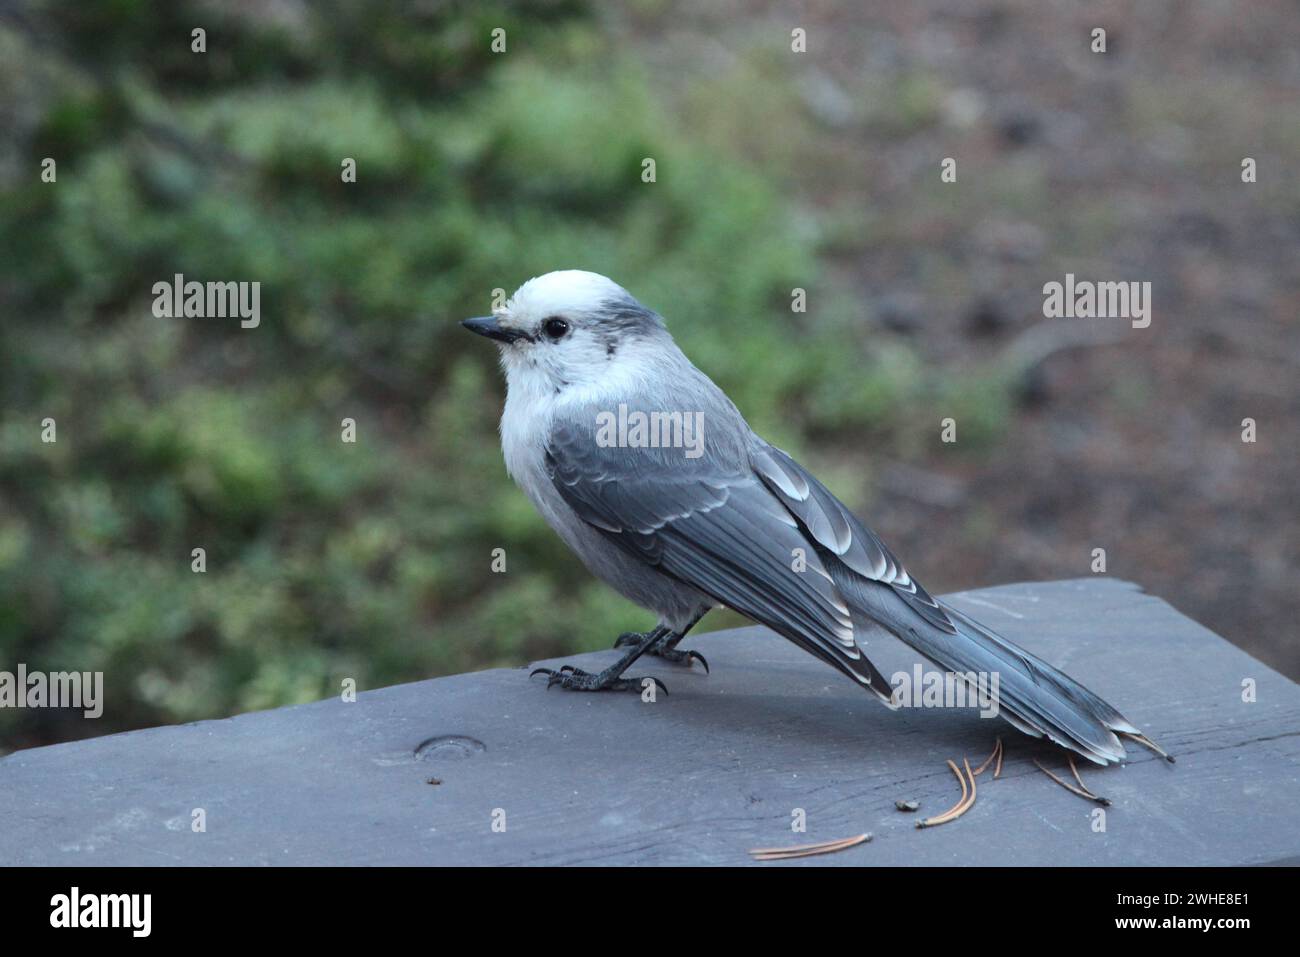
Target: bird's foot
661,645
575,679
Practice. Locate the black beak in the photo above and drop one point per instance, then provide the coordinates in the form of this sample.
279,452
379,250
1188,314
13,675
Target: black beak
488,326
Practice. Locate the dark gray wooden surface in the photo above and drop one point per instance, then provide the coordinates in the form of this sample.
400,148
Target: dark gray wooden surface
701,775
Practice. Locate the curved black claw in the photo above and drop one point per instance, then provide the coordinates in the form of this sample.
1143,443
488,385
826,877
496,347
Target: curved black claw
635,684
661,647
559,670
575,679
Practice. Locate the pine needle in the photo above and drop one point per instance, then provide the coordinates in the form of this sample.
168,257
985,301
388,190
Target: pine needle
1075,771
1144,740
997,753
1088,795
946,815
807,850
961,807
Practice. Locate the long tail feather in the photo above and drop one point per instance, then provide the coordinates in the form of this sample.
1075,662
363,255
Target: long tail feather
1033,696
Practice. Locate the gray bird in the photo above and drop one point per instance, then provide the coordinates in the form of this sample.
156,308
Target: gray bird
683,523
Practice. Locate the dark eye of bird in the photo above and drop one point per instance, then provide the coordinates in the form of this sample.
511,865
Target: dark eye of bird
555,327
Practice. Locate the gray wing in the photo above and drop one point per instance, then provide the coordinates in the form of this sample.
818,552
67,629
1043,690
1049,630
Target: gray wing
716,526
730,524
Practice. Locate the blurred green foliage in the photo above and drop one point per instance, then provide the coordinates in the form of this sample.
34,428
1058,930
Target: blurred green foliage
328,560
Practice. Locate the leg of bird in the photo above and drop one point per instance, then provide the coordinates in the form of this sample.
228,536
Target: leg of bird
647,638
662,643
575,679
